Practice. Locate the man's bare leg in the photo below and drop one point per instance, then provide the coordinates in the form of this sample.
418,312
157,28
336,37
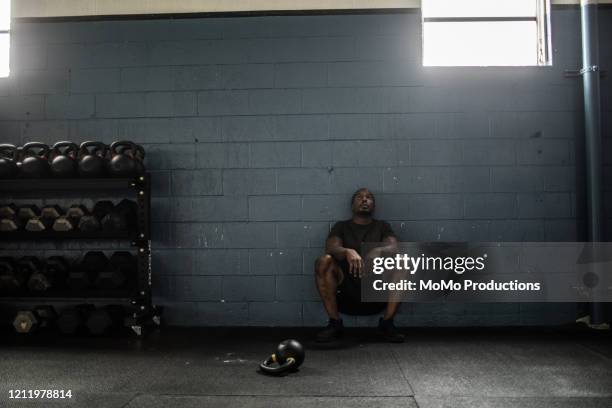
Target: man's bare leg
385,325
395,297
328,276
391,310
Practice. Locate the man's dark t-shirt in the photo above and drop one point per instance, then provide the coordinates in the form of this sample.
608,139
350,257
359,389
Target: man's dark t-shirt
353,236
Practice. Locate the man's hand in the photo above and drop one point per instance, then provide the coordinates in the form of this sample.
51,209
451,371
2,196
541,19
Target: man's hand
355,262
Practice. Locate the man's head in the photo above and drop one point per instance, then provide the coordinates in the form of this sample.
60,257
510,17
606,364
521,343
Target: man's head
362,202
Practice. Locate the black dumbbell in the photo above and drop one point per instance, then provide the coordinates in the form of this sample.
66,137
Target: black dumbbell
28,321
90,222
51,212
29,217
52,275
121,218
26,212
106,319
25,322
8,218
58,268
8,225
62,224
71,219
46,314
72,319
8,271
76,212
121,266
45,220
8,210
39,282
102,208
35,224
14,275
28,266
84,274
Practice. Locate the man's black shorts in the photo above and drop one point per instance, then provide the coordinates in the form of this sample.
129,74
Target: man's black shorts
349,296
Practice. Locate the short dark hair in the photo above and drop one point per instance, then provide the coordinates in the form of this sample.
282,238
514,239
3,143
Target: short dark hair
359,190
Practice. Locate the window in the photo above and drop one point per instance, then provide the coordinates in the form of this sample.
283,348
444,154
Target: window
5,27
486,32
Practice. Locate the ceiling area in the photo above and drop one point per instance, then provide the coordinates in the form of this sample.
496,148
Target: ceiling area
74,8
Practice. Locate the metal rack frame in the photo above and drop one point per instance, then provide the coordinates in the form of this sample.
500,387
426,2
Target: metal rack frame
143,312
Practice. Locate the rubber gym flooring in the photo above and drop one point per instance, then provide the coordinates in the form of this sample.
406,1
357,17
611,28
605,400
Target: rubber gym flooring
435,368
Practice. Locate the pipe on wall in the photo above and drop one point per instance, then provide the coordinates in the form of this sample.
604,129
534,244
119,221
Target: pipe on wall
592,122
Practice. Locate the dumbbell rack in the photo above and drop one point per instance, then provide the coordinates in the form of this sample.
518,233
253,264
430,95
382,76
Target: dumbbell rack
143,314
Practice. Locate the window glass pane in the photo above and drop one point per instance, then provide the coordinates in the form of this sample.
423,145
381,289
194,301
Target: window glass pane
480,43
479,8
5,14
4,55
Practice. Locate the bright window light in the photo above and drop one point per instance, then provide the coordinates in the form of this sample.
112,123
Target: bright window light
5,27
485,32
479,8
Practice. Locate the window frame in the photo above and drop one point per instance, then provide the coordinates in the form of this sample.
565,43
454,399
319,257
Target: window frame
7,32
541,18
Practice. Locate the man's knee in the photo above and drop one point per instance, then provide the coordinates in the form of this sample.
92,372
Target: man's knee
324,264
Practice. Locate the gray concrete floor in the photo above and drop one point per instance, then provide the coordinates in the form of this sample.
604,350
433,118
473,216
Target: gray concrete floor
187,368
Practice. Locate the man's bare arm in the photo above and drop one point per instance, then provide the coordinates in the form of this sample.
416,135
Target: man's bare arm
333,246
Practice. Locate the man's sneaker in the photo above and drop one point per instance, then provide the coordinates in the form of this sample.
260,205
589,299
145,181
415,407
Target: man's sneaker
388,331
332,332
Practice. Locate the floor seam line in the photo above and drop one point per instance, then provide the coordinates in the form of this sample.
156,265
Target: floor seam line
281,396
131,399
395,359
594,351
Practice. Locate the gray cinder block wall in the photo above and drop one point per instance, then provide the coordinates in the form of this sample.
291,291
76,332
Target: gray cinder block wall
258,129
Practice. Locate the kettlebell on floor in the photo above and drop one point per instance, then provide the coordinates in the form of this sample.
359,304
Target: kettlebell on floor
288,357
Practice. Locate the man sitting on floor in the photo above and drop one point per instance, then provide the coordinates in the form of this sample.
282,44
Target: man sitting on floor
338,273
